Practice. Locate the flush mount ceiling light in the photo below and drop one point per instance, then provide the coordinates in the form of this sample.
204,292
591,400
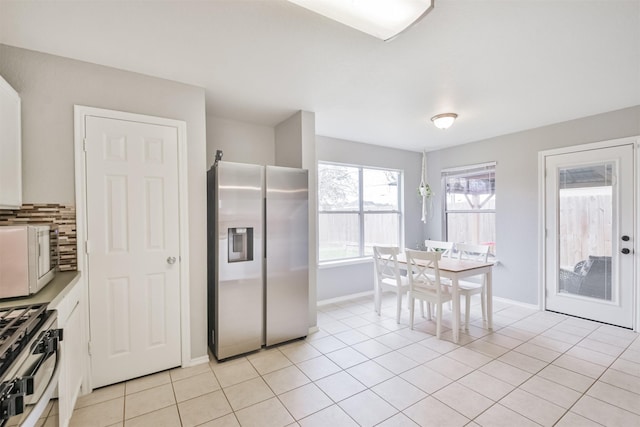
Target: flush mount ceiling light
383,19
444,121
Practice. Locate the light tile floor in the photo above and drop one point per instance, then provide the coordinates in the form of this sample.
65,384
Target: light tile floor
535,368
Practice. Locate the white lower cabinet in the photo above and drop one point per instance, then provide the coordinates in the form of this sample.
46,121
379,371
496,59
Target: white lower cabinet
71,315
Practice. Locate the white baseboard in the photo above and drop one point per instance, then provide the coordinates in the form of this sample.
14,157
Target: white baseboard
313,330
344,298
518,303
369,293
197,361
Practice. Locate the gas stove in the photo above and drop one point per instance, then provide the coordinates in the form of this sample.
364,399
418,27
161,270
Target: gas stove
29,362
18,325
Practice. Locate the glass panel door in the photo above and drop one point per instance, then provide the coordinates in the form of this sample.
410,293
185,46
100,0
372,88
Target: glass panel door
589,205
585,197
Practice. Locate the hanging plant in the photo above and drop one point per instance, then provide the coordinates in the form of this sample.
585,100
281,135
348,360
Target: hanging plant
424,191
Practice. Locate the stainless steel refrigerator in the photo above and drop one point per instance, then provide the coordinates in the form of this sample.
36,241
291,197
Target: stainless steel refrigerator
258,272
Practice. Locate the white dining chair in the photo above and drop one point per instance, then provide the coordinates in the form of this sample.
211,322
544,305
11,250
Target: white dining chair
388,277
467,288
445,248
425,285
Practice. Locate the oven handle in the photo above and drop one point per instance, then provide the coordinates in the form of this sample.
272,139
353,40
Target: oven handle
39,407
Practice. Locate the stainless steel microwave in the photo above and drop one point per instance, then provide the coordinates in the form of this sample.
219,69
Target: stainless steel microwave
28,259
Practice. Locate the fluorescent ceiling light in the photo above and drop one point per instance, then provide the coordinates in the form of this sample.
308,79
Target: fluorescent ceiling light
383,19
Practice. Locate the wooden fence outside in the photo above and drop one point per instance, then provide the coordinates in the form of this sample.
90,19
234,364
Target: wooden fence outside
585,226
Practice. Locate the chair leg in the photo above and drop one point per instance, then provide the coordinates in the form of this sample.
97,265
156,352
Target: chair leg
429,315
467,309
377,301
399,306
483,304
422,308
438,320
412,303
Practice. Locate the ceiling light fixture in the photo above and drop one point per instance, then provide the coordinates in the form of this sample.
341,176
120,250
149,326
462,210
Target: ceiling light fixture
383,19
444,120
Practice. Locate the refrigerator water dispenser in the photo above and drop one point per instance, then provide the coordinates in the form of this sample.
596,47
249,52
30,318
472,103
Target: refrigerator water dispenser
240,244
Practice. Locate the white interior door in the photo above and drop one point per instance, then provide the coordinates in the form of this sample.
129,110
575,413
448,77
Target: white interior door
133,248
589,218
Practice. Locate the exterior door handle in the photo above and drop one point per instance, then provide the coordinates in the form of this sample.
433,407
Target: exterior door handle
625,238
171,260
625,251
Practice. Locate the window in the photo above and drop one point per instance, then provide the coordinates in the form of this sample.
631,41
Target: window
470,204
358,208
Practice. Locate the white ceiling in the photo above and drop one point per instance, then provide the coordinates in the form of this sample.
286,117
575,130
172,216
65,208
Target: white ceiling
502,65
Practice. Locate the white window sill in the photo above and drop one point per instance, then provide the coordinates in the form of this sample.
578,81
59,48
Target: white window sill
345,262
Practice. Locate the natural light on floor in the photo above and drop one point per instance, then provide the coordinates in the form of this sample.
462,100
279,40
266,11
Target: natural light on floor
535,368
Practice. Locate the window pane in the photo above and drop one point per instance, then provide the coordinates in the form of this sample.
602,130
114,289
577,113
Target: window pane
471,192
338,188
585,222
351,200
338,236
380,188
380,230
475,228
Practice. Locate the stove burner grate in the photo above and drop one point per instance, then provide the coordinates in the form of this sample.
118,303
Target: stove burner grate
17,326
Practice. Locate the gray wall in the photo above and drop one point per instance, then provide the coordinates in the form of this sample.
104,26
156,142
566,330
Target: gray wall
288,149
50,86
240,142
340,280
516,277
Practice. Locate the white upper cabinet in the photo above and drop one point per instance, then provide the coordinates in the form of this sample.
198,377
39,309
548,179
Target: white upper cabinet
10,148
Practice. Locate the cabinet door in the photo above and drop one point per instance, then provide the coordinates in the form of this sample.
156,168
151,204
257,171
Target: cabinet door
73,353
10,148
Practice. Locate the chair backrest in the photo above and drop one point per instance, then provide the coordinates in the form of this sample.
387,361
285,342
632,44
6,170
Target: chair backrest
445,248
386,263
423,270
472,252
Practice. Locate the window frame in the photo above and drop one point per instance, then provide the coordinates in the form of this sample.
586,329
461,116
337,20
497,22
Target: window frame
463,171
362,212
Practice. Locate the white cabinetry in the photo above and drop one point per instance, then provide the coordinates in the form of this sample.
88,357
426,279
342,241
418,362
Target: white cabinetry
71,315
10,148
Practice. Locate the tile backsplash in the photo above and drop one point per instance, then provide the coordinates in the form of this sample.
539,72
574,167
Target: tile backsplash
64,217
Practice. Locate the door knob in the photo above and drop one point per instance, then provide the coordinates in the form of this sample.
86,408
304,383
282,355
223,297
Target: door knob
625,238
625,251
172,260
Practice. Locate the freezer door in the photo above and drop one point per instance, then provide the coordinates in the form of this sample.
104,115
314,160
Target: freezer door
239,299
287,254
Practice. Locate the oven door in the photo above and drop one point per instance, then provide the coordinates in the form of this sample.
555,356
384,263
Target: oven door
25,397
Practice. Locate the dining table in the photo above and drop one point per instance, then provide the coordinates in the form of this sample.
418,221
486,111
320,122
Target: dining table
456,269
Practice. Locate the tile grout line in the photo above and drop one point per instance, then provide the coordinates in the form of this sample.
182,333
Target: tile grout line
497,402
396,349
598,379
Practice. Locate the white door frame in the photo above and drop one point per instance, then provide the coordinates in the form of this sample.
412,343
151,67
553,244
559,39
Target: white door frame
542,215
80,113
